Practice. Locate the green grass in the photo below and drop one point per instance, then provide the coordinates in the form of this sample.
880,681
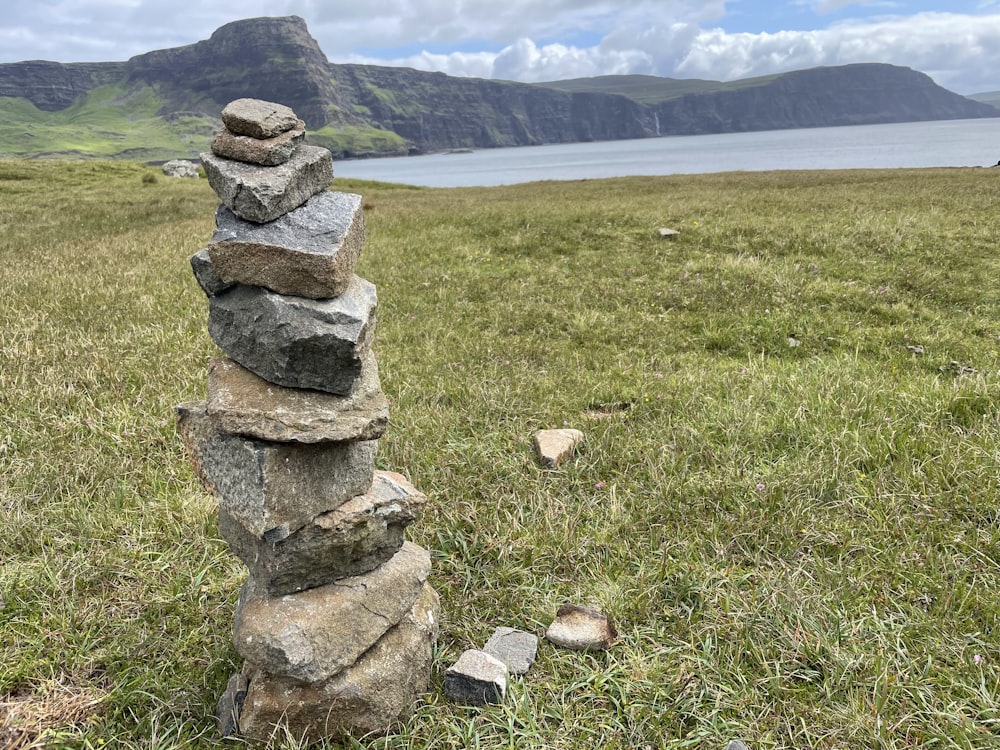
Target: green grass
798,544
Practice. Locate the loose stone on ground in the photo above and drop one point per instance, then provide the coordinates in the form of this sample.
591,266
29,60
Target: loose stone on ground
476,679
515,648
180,168
555,447
581,629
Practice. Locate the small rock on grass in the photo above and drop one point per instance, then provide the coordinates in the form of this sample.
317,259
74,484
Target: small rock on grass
668,233
515,648
476,679
554,447
736,745
581,629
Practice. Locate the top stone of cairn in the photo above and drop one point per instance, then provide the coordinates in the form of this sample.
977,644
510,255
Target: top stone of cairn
259,119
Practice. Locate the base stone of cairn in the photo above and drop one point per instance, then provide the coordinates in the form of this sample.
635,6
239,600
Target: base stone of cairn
336,621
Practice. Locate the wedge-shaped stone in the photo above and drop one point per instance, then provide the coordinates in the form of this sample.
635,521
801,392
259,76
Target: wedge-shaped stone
369,696
356,538
267,152
313,635
264,193
309,252
293,341
242,403
273,489
477,679
205,274
258,118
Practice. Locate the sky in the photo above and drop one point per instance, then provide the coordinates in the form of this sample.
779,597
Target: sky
956,42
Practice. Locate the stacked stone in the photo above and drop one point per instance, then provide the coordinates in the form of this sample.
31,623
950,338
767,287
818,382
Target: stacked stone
336,621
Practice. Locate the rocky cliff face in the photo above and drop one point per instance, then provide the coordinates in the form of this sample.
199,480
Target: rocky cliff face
437,111
277,59
274,59
820,97
53,86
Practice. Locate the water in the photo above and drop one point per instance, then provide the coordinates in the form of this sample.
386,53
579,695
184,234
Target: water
944,143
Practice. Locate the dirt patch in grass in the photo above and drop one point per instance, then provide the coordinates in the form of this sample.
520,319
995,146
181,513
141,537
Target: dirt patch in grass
30,720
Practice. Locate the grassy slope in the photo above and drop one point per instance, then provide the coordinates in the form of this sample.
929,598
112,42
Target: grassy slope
653,89
799,544
109,121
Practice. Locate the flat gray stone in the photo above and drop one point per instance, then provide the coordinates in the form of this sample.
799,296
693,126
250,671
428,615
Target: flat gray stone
263,194
581,629
309,252
515,648
476,679
293,341
313,635
242,403
354,539
736,745
370,696
258,118
267,152
273,489
205,274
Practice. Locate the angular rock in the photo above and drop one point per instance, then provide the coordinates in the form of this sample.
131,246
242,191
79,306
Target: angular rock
515,648
181,168
313,635
555,446
367,697
264,193
258,118
581,629
309,252
293,341
267,152
476,679
227,710
205,274
354,539
273,489
241,403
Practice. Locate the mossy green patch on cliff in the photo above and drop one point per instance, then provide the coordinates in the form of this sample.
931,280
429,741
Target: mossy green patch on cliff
358,140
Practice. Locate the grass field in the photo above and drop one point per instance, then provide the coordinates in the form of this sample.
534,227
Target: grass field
798,543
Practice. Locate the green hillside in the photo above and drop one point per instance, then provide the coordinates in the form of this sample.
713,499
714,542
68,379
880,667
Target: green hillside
109,121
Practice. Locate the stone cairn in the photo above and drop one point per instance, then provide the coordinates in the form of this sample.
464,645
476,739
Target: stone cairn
336,621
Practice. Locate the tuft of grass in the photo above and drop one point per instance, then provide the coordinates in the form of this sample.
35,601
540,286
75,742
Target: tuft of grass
798,543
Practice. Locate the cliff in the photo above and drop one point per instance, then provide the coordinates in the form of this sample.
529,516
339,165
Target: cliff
165,103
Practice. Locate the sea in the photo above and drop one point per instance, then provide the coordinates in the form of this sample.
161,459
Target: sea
940,143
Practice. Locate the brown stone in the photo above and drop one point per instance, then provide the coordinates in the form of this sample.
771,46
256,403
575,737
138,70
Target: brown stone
367,697
313,635
554,447
258,118
357,537
242,403
581,629
267,152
